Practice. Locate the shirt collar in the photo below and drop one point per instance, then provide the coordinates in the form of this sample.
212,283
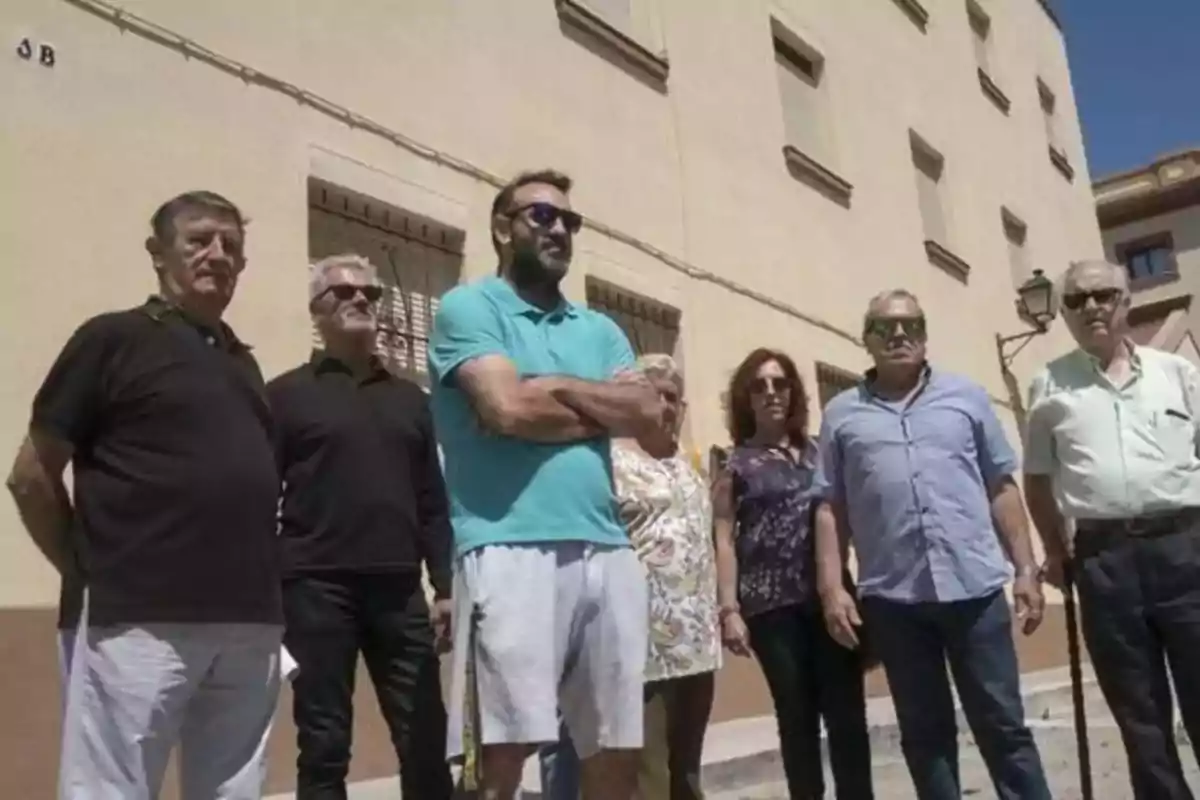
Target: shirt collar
160,309
1135,358
321,363
513,304
926,376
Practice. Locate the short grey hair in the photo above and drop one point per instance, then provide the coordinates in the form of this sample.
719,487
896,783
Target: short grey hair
320,277
883,297
1075,267
660,366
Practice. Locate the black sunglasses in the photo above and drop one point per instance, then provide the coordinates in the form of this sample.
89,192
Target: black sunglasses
348,291
885,327
771,384
1073,301
544,215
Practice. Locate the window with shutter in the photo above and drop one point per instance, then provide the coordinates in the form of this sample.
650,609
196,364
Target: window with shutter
981,33
652,327
798,72
928,166
1049,104
417,260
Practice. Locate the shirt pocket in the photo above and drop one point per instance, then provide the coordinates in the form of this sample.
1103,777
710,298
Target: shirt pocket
1174,432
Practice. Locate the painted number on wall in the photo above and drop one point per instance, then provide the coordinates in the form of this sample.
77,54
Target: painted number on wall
43,52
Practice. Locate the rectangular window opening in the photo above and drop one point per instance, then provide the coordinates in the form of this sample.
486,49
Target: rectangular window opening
416,258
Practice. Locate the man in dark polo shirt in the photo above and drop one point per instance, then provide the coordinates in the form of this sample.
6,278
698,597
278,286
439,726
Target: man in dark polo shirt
161,412
364,505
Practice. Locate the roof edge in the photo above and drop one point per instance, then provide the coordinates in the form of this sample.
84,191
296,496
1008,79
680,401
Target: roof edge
1045,4
1179,154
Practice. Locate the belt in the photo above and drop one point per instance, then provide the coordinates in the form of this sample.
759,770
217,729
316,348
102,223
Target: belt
1149,525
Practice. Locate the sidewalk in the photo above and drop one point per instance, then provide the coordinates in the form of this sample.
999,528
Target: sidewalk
741,757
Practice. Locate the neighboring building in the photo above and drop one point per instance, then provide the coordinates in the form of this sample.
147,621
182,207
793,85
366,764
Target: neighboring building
752,172
1150,222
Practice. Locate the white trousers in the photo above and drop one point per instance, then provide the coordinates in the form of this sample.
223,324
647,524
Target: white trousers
134,692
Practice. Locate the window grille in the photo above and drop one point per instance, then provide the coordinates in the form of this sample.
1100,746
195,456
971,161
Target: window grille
652,327
417,261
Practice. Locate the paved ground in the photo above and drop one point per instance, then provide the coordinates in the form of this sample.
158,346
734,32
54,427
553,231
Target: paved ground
1051,717
1110,781
742,763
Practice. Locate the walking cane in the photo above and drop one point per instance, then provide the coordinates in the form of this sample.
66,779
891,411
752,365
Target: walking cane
472,742
1081,733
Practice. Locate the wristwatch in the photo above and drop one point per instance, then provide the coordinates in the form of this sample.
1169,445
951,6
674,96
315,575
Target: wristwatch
727,611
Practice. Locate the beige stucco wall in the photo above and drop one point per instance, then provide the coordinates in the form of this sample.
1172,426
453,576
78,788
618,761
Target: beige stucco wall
691,179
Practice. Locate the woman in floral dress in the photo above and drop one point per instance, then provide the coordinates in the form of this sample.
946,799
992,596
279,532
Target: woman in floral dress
666,508
767,583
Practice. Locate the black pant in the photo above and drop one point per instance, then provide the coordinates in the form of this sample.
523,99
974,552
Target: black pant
330,618
811,677
915,641
1140,605
677,711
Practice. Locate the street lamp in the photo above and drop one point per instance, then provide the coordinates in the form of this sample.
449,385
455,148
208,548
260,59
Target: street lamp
1037,304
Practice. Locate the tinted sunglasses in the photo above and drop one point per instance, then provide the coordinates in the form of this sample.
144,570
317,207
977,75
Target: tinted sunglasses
1074,301
774,385
348,291
544,215
885,327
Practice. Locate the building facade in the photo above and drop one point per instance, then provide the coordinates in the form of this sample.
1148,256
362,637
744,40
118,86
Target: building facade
752,172
1150,222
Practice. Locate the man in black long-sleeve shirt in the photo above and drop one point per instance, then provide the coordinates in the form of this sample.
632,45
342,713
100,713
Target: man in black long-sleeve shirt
364,505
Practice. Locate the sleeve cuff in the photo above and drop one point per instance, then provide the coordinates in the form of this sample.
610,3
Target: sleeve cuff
48,425
442,581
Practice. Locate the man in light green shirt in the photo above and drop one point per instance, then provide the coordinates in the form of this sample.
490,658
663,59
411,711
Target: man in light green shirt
1112,444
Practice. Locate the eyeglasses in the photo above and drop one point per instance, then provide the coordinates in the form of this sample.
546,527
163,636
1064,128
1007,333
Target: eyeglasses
544,215
1073,301
885,327
348,291
770,384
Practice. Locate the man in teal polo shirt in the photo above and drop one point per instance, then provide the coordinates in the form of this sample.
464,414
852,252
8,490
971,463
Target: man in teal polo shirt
549,599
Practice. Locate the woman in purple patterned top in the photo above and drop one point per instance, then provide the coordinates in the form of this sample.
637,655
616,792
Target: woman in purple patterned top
763,506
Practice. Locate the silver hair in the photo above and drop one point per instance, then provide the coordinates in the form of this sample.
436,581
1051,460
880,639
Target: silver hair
1076,267
883,297
660,366
320,277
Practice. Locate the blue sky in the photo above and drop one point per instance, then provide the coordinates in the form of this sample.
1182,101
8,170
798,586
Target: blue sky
1135,66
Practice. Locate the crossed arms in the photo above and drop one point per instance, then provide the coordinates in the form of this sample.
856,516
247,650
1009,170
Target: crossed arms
469,349
555,408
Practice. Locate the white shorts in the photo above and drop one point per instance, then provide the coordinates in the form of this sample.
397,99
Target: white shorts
556,625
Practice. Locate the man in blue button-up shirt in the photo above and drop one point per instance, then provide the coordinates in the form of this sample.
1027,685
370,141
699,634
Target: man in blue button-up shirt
916,473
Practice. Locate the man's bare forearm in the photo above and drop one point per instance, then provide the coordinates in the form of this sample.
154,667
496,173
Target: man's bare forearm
1008,512
831,548
623,409
537,416
47,515
1047,519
